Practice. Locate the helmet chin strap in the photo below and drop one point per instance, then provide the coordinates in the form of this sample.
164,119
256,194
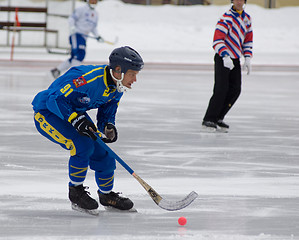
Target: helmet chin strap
119,86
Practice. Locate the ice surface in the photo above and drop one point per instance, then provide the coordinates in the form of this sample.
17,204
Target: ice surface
247,179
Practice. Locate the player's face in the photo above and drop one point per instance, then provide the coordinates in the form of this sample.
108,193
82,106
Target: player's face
239,4
93,1
129,78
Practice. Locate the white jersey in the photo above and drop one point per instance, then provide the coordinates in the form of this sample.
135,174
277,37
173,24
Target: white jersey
84,20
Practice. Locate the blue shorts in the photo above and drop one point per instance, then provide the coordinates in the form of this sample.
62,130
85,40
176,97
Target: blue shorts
78,45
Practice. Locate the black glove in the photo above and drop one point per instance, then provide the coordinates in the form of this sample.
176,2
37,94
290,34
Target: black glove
110,133
99,39
83,125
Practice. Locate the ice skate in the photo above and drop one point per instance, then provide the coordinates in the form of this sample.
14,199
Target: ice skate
113,200
209,126
55,73
81,200
222,126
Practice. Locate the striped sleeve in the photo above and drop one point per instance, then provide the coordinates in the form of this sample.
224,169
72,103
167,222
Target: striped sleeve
221,31
233,35
248,41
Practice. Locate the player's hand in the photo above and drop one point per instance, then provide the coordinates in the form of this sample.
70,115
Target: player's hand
99,39
228,62
84,127
72,30
110,133
247,65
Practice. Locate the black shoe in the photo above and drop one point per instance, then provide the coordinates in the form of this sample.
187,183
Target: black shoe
209,125
222,124
79,196
55,73
113,199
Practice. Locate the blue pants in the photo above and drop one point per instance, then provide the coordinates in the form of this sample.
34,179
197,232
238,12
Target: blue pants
84,151
78,46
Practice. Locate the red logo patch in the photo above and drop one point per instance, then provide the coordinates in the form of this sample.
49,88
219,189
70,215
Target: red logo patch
79,81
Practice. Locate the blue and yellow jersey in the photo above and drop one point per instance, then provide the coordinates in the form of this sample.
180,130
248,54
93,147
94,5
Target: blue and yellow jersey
80,89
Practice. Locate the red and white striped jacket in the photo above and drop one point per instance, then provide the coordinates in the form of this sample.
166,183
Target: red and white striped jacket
233,35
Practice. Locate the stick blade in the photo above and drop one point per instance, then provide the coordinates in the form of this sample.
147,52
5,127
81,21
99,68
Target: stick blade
178,205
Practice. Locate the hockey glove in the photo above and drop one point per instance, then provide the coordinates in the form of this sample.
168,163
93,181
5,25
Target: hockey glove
247,65
110,133
83,126
228,62
99,39
72,30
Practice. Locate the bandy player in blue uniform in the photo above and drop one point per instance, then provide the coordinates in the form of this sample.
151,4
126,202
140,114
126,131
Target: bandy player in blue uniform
60,115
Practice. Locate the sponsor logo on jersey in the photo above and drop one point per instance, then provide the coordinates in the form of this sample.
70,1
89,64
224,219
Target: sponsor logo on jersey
79,81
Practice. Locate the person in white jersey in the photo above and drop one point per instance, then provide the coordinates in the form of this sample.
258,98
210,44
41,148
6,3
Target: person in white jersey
83,21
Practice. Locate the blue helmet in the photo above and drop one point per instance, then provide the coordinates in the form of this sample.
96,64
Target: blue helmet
127,58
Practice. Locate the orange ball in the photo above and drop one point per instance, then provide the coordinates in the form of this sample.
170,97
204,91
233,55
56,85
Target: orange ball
182,221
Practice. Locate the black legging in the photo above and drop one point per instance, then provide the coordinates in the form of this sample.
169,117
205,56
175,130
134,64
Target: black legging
227,88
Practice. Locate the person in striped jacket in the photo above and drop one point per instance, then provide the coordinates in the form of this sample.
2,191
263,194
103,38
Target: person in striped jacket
232,39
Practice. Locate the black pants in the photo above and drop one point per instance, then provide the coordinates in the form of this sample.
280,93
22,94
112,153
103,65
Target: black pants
227,88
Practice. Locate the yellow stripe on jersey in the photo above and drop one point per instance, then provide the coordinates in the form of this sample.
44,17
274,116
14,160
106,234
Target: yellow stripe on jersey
72,116
92,71
107,90
91,80
54,134
105,79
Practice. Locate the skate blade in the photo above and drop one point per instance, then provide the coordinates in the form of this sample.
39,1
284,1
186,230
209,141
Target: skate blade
113,209
213,130
93,212
222,130
208,129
